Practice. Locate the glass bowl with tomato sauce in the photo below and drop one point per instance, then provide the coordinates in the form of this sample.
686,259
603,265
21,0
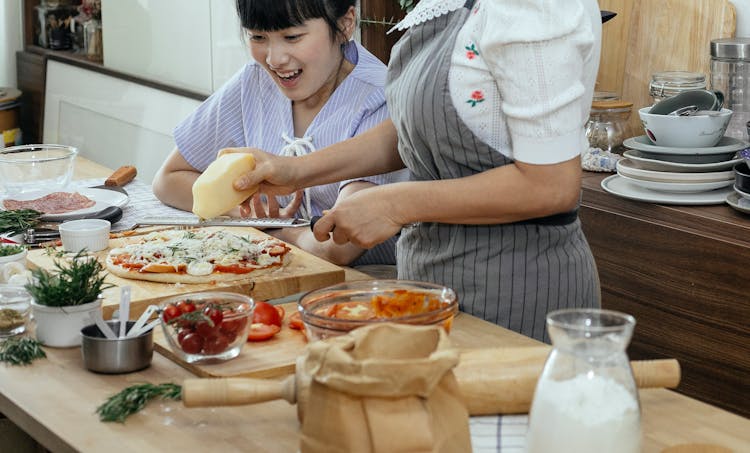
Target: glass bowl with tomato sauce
207,327
337,309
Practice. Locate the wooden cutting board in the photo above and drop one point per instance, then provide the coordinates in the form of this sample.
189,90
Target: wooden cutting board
277,357
650,36
303,272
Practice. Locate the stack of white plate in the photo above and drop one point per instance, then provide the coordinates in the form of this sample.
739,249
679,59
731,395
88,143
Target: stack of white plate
682,176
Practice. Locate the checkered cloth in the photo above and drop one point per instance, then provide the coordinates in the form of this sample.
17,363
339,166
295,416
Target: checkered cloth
496,433
141,203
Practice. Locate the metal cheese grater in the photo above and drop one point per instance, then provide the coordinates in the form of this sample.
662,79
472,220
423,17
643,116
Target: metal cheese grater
194,221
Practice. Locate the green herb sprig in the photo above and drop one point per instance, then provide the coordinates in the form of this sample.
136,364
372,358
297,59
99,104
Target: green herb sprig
18,220
79,281
132,399
21,351
8,250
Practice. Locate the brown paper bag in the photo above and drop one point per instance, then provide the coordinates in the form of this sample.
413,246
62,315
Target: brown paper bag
385,388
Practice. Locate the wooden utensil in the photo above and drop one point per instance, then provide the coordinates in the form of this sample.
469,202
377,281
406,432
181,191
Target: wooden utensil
492,381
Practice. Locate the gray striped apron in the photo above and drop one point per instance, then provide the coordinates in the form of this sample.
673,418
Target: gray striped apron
508,274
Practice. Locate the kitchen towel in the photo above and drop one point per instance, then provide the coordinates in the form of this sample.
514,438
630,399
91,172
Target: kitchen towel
498,433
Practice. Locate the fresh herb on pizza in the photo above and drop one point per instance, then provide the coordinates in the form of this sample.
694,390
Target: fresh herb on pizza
196,256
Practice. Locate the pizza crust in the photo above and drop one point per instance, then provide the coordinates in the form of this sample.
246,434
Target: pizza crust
163,277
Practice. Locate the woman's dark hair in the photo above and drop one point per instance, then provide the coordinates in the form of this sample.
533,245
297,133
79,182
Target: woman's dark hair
272,15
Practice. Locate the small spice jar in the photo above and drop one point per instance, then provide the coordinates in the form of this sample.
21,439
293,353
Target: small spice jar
607,125
668,83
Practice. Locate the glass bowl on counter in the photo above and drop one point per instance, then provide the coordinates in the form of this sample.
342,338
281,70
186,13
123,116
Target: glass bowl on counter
15,309
207,327
32,167
337,309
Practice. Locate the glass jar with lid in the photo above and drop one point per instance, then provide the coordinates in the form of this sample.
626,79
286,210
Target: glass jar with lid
608,122
668,83
730,74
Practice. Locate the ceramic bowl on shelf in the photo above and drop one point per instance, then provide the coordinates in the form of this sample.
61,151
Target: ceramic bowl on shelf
28,167
207,327
693,131
338,309
742,177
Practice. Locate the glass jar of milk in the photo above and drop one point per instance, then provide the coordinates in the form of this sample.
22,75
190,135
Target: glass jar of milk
586,399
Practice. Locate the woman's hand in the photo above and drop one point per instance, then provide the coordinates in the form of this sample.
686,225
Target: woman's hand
365,218
274,175
262,205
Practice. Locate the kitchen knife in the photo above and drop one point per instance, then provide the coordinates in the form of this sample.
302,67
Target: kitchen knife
607,15
118,179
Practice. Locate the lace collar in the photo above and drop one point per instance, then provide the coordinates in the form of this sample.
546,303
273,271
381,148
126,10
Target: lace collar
427,10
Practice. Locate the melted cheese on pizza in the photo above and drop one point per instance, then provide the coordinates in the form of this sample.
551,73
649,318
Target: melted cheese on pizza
198,252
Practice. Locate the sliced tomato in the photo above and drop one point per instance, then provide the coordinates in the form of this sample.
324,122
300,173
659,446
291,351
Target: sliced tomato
281,311
295,321
262,332
266,313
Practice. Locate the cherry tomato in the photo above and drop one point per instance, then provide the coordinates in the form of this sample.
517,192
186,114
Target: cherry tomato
214,314
205,329
215,345
181,335
186,306
232,327
170,313
262,332
192,343
266,313
295,321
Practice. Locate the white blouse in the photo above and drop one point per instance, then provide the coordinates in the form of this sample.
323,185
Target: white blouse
522,73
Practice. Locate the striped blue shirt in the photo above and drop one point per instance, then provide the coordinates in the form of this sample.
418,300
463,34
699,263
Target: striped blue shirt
250,111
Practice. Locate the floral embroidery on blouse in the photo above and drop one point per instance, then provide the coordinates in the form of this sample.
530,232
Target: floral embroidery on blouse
471,51
477,96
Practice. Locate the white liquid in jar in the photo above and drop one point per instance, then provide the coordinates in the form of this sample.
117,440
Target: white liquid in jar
584,414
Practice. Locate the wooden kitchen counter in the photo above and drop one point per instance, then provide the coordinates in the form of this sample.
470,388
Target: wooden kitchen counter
682,272
54,400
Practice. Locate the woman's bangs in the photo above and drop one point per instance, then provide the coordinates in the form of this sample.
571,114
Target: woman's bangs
272,15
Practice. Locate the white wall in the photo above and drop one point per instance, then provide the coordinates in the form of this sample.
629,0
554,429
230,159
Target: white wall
11,40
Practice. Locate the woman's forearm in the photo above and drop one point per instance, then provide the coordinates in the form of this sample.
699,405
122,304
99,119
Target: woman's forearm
371,153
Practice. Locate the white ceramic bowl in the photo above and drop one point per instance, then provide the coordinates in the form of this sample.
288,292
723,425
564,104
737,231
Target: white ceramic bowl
31,167
11,263
698,131
89,234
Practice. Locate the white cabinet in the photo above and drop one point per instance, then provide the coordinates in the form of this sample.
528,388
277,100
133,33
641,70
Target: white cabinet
112,121
191,44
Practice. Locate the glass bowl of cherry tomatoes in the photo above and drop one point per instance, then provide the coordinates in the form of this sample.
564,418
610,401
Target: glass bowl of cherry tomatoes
207,327
337,309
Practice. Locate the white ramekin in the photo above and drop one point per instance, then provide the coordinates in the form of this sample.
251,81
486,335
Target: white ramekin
89,234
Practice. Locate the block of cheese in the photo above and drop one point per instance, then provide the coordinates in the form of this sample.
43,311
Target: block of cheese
213,193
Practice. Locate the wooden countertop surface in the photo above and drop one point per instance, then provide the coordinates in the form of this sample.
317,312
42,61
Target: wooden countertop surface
54,400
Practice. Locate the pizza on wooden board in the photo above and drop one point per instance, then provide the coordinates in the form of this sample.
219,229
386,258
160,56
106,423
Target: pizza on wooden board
196,256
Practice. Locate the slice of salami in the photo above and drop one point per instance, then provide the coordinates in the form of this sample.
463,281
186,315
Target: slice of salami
54,203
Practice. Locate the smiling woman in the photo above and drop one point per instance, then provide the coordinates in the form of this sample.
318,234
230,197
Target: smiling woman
308,86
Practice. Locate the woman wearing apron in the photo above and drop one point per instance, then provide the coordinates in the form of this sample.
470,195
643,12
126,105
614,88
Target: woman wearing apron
488,102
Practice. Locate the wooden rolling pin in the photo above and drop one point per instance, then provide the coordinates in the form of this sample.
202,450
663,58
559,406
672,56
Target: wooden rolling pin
492,381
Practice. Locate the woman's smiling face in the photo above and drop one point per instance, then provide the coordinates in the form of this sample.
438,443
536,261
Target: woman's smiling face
304,61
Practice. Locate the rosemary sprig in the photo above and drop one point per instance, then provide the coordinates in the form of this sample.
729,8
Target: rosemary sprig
21,351
78,282
132,399
18,220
